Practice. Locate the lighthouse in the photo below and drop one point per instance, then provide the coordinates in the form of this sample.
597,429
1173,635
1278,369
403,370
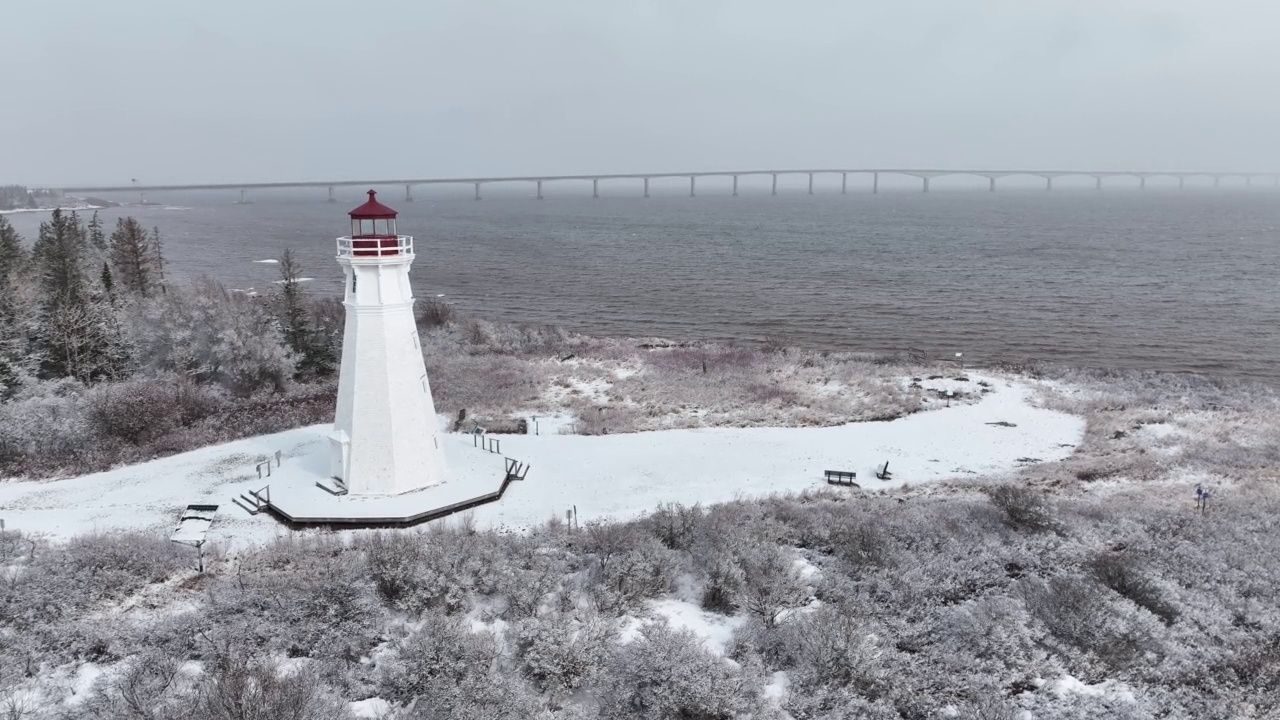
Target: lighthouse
385,438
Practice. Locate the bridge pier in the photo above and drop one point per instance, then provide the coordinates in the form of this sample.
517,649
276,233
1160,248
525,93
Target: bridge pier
735,186
331,197
539,189
875,183
693,189
775,183
991,184
844,183
595,188
408,193
646,187
477,191
810,183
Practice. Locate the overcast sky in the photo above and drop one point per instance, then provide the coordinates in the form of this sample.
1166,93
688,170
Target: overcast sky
258,90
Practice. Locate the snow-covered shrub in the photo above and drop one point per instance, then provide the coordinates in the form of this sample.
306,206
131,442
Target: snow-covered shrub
1024,509
629,566
300,598
443,670
235,686
666,673
1078,613
45,420
439,568
560,653
1120,572
140,410
150,686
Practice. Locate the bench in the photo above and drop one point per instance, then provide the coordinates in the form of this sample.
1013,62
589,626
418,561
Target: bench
882,472
841,477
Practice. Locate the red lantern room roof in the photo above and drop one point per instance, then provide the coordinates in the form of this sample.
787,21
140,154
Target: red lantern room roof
373,210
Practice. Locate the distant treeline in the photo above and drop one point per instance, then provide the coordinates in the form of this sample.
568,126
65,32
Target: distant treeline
14,197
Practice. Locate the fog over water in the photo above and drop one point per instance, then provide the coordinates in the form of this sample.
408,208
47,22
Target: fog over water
1161,279
243,90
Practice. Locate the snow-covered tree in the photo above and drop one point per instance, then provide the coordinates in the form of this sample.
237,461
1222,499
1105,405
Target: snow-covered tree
213,335
135,258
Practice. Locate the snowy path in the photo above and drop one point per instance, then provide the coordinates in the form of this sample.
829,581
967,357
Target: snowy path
618,476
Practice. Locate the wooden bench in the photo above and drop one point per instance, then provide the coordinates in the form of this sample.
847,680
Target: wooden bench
882,472
841,477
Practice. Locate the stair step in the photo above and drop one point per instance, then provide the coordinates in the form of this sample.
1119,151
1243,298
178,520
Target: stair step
249,508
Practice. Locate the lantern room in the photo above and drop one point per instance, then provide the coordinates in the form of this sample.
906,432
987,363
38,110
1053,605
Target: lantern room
373,232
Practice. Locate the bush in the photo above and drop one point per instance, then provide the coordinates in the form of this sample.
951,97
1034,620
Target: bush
1024,509
666,674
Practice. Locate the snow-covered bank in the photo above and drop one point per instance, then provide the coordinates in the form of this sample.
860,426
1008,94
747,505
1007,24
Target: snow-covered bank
612,476
68,208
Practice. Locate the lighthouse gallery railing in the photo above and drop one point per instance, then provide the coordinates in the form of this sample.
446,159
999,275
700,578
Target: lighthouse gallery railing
372,247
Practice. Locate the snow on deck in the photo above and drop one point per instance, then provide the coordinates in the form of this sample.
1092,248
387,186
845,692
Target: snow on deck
617,476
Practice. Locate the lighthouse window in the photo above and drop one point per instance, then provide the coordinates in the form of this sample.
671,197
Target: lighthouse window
353,283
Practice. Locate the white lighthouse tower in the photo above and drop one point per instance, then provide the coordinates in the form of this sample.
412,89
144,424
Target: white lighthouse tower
385,437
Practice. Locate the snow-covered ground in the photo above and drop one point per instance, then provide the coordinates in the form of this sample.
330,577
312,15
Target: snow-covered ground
614,476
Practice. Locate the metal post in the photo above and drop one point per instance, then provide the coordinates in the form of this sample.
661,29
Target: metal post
844,183
1048,183
991,184
692,190
735,186
595,188
926,184
646,187
810,183
1142,183
1098,184
539,189
775,183
331,197
477,191
875,183
408,193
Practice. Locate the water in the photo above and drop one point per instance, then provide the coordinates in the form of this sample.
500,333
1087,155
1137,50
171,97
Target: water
1176,281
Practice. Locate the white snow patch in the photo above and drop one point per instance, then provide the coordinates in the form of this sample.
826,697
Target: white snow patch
301,280
86,675
373,707
268,262
714,629
619,476
1070,685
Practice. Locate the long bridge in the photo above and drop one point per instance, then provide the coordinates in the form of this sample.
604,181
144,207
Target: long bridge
925,175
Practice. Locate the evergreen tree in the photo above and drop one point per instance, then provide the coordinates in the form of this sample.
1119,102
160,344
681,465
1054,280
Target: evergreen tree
315,356
134,257
108,282
78,333
97,238
13,261
60,254
157,253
